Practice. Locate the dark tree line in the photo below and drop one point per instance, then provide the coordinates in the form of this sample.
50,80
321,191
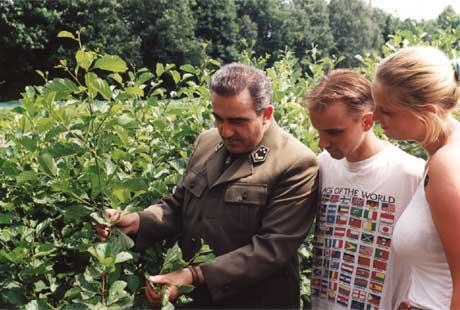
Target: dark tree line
145,32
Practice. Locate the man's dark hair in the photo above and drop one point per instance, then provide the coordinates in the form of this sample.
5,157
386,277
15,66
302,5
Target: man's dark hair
232,79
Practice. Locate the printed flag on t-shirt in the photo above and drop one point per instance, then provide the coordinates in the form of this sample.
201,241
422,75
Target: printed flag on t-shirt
388,207
357,212
344,200
343,209
357,305
364,261
385,229
378,276
357,201
341,219
369,226
377,264
334,198
376,287
387,218
362,272
373,299
383,241
347,268
345,278
372,204
365,250
362,283
359,295
354,222
344,289
339,231
325,198
348,257
369,238
343,300
353,234
370,214
381,254
351,246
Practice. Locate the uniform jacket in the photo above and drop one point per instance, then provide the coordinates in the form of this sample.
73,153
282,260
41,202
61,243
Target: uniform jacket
254,215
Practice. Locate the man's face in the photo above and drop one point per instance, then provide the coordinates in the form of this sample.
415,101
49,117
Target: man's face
339,133
240,127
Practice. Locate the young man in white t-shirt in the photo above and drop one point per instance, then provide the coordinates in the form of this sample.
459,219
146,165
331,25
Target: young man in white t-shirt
365,184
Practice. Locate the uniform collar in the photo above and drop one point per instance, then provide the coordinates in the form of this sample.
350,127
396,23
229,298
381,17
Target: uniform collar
244,164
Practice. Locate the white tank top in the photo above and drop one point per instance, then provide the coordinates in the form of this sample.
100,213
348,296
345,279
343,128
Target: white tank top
416,240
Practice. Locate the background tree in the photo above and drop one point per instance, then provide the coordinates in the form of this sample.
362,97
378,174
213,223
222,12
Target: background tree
354,30
27,28
216,23
311,27
167,30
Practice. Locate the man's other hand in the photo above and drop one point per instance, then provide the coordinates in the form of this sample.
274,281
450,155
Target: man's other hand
171,280
126,222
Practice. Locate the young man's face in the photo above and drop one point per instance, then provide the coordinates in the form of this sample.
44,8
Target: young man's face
340,134
240,127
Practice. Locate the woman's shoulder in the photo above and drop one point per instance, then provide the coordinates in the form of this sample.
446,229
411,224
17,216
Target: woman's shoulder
448,155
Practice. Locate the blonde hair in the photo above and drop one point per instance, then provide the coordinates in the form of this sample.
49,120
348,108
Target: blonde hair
416,77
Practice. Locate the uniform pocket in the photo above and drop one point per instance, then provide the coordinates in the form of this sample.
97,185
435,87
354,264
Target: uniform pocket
243,202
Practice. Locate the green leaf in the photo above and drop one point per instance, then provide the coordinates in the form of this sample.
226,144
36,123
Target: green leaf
75,213
159,69
62,87
144,77
65,34
44,249
111,63
135,91
116,77
120,240
17,256
185,289
47,164
123,257
188,68
176,76
85,59
96,216
6,219
98,85
173,260
26,176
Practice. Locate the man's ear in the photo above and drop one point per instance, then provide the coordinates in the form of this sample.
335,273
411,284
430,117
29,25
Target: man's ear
267,113
431,108
367,120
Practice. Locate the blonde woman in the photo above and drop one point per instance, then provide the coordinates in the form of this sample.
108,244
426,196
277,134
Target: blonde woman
416,90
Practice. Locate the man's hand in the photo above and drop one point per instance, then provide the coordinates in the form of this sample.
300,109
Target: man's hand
126,222
171,280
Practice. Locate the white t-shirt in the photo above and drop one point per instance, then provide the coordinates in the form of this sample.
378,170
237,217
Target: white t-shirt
359,204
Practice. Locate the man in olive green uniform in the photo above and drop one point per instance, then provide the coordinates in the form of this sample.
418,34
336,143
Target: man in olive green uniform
248,191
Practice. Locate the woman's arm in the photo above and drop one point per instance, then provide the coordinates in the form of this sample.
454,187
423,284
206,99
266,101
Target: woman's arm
443,195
